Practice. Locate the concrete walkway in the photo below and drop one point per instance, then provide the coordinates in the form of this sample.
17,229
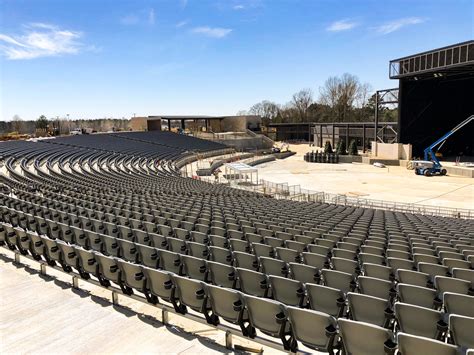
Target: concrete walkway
43,314
393,183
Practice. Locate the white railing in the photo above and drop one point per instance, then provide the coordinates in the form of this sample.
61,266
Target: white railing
296,193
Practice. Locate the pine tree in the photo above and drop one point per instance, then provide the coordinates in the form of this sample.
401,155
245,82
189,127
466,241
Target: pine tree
353,148
328,148
341,147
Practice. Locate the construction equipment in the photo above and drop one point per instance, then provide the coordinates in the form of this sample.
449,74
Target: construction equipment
431,164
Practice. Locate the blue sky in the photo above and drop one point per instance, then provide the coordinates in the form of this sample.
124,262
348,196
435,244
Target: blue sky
104,58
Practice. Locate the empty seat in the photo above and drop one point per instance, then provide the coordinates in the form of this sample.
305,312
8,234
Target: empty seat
304,273
338,279
449,284
369,309
459,304
464,274
412,344
272,266
287,291
361,338
194,268
326,299
252,282
268,316
417,295
148,256
246,261
376,287
313,329
415,278
221,274
461,328
420,321
132,276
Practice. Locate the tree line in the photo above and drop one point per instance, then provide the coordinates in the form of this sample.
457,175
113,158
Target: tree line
61,126
341,99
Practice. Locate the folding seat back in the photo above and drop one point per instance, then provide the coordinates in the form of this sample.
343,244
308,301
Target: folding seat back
316,260
461,328
268,316
52,250
338,279
220,255
326,299
449,284
304,273
411,277
159,283
246,261
459,304
419,321
344,254
177,245
194,268
94,241
364,338
142,237
313,329
463,274
181,233
287,291
218,241
69,254
169,261
369,309
345,265
378,271
417,295
456,263
252,282
87,261
433,269
148,256
239,245
319,249
275,267
263,250
108,268
412,344
190,292
221,274
224,302
158,241
376,287
132,275
253,238
128,250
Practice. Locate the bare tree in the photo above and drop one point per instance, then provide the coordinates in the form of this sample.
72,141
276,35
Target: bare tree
343,94
301,101
265,109
17,124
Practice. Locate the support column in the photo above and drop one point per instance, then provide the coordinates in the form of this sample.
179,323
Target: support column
321,136
333,136
347,136
169,125
363,138
164,316
228,340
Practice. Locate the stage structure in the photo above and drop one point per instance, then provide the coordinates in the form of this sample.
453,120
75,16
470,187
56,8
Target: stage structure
436,93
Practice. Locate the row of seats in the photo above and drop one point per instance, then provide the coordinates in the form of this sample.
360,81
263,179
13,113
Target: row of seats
115,208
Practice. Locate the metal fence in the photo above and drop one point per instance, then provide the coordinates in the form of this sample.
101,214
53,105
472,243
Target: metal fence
296,193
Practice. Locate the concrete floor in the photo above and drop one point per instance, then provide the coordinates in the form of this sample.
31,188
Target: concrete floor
44,314
393,183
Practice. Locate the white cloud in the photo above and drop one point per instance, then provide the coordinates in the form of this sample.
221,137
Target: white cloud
151,16
238,7
395,25
184,3
341,25
215,32
40,40
145,16
181,24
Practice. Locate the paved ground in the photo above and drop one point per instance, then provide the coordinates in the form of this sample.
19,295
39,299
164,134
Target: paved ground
43,314
363,180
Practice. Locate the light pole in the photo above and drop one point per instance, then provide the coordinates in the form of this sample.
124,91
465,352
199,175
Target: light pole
68,124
